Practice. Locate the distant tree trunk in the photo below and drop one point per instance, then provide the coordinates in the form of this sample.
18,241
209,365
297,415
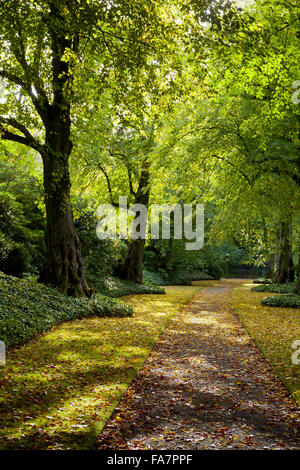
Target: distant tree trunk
169,256
132,268
275,266
285,269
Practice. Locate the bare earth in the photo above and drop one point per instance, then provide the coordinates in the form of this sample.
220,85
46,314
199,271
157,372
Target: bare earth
204,386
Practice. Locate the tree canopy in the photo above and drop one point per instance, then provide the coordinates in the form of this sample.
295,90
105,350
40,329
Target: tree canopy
161,102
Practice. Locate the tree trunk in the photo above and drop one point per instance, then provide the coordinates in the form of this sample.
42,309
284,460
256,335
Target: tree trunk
64,267
285,269
271,267
169,256
132,268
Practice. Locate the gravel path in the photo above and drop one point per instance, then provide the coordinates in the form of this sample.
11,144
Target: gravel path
204,386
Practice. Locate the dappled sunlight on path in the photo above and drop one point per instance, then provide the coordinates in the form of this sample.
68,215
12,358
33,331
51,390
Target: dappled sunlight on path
204,386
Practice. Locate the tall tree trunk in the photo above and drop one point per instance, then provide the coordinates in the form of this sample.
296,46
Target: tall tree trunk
285,268
132,268
271,267
64,267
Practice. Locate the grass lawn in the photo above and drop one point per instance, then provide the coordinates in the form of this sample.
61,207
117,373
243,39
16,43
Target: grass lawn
274,329
58,391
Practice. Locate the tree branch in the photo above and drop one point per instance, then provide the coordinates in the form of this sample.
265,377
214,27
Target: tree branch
40,102
121,38
123,157
132,191
13,78
27,138
108,184
234,166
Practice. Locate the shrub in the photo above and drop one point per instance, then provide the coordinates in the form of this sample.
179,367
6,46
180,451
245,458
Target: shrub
14,258
21,223
282,300
5,247
287,288
178,277
26,187
28,308
262,281
17,261
185,278
214,270
154,278
115,287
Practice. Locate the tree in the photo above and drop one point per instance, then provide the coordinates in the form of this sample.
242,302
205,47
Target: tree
252,125
46,47
122,163
116,140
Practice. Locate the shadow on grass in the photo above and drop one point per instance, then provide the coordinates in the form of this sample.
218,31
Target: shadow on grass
57,388
206,386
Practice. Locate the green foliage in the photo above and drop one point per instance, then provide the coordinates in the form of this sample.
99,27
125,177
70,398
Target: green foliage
21,220
282,300
168,256
186,277
12,219
178,277
287,288
17,261
14,257
146,103
156,278
262,281
100,256
28,308
5,248
214,270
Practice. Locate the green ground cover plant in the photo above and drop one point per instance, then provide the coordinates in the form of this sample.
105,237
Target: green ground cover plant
28,308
